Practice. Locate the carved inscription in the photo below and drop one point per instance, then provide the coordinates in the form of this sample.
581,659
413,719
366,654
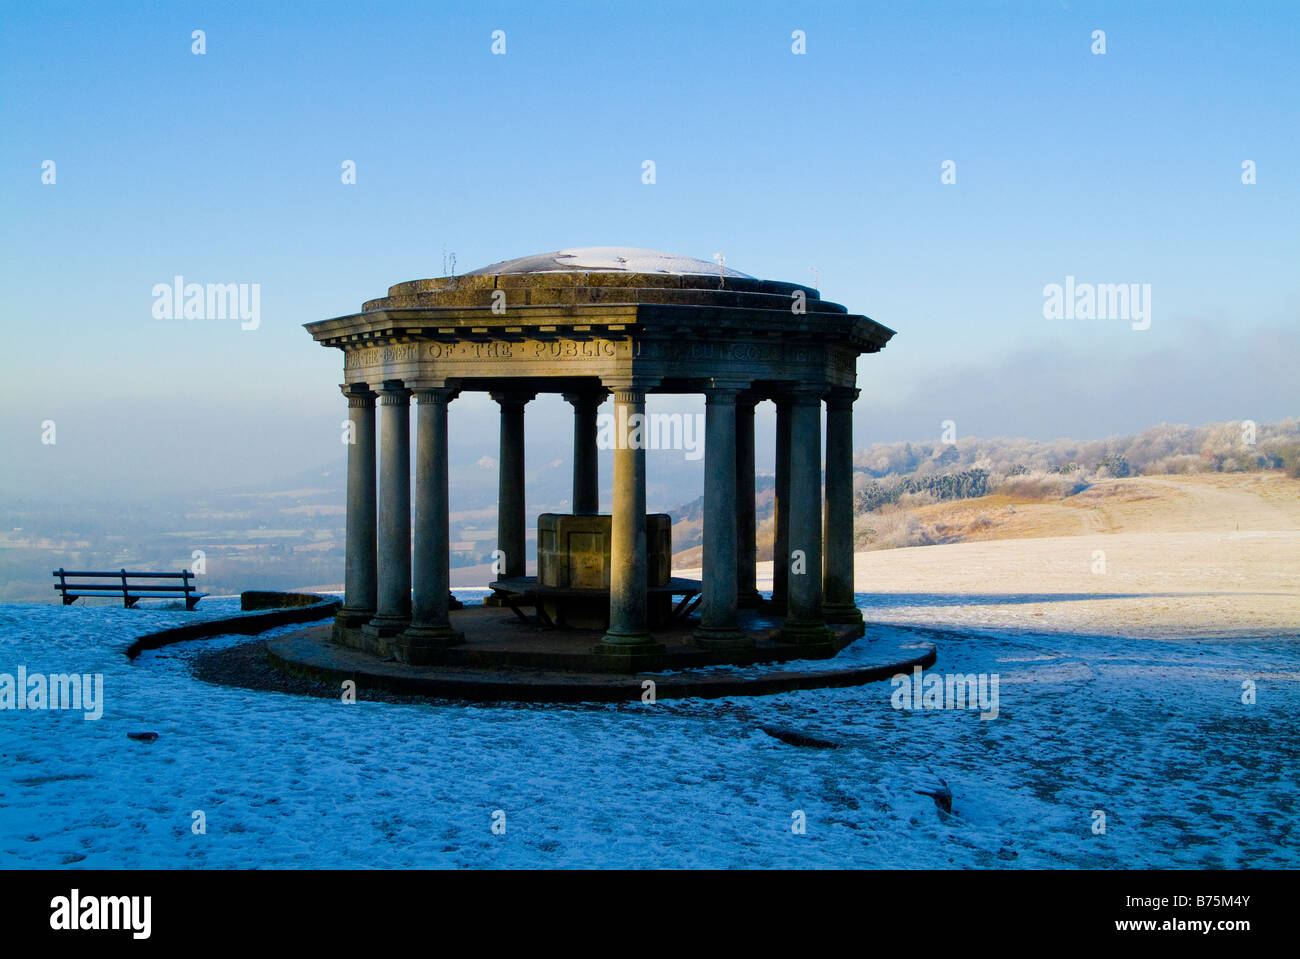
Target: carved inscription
380,354
573,349
844,365
549,350
741,352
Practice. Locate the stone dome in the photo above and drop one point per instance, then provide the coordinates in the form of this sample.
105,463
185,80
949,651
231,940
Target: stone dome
609,294
608,259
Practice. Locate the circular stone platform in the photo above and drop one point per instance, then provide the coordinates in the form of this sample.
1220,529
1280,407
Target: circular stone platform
504,659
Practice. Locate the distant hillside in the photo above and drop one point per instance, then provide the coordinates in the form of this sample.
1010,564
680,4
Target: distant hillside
688,523
289,533
893,481
1216,447
1220,502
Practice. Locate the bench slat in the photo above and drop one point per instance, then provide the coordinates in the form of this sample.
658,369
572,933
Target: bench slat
117,587
117,592
117,572
131,593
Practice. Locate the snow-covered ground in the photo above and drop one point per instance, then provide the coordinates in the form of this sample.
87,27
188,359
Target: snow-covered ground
1152,733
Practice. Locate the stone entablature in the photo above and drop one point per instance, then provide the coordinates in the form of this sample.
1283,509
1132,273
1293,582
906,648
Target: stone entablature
680,365
677,331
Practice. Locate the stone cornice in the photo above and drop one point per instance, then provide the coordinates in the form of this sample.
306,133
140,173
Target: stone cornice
676,333
449,286
452,324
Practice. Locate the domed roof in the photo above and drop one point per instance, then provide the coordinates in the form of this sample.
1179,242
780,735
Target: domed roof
612,259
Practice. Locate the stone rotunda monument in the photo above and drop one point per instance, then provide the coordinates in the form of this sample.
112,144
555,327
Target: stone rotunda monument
587,323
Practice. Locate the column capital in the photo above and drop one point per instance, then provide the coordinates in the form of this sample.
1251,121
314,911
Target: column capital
806,395
586,399
360,395
435,394
841,397
639,385
512,397
393,393
796,394
723,391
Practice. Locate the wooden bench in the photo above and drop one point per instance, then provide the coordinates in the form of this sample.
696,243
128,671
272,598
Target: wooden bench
121,585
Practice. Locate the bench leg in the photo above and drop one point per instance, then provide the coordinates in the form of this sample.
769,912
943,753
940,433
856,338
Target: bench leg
691,608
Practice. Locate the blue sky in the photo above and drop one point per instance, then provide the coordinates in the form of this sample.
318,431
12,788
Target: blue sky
225,167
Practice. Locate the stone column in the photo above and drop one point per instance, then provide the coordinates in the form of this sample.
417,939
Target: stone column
781,507
394,612
512,523
360,577
718,608
586,470
746,524
839,605
430,628
628,636
803,618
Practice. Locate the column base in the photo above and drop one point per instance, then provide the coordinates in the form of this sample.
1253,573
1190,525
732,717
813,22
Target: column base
751,600
773,608
352,637
806,634
619,638
419,645
386,626
454,603
638,653
709,637
842,615
353,617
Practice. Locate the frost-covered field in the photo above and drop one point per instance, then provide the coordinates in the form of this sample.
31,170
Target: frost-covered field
1153,733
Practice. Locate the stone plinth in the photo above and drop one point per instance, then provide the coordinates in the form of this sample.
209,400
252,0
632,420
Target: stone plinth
573,552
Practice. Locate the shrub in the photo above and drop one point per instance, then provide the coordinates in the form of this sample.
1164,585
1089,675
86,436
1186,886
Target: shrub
1182,463
1115,464
1040,486
895,528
